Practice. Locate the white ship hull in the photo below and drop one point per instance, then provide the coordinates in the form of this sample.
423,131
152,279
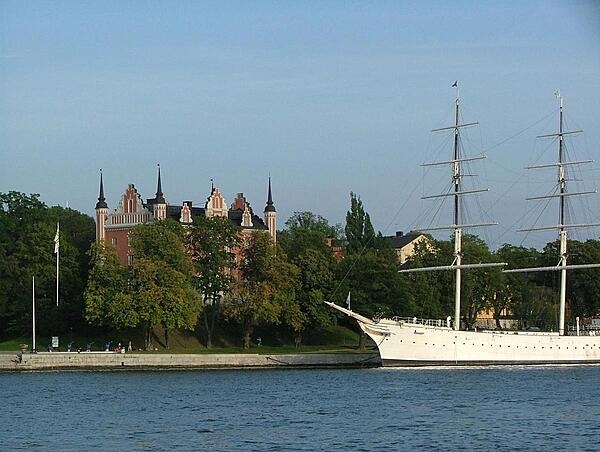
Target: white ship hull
407,343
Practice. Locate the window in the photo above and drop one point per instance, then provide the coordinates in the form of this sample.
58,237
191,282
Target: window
113,241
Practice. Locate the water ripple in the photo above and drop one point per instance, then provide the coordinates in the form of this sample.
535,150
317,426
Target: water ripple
272,410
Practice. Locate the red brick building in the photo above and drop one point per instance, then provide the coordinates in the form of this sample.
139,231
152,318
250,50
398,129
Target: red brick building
114,227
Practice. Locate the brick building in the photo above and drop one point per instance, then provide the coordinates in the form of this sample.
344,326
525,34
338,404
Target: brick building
114,227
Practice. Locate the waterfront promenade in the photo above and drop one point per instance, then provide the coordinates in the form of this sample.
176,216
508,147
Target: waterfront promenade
132,361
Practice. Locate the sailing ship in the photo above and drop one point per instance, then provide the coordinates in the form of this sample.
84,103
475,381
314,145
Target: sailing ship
427,342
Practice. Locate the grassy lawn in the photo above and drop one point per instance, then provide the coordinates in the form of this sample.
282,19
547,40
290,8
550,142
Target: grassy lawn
335,339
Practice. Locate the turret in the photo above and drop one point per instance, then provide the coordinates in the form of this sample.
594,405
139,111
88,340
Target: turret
160,203
271,214
101,213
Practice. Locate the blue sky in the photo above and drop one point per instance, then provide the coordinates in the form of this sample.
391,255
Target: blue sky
327,97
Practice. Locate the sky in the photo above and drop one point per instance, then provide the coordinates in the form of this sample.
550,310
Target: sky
325,97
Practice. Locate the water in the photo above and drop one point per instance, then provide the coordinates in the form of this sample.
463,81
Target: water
496,408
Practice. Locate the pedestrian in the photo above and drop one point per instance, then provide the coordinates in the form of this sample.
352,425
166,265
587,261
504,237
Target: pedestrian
129,346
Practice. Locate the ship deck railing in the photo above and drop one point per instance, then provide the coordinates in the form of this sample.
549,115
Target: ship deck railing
417,321
571,330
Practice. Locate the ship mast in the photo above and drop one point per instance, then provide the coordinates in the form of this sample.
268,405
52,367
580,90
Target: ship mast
561,221
456,176
457,266
562,226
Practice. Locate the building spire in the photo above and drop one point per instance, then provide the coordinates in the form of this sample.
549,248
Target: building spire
270,207
101,204
160,198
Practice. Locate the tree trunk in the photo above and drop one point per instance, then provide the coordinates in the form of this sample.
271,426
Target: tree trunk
298,340
361,340
166,338
147,339
210,326
247,340
498,326
208,329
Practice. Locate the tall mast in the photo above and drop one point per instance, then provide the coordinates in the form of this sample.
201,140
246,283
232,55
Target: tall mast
561,221
457,225
457,220
562,226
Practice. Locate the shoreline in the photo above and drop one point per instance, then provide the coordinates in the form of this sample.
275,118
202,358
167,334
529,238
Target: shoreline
50,361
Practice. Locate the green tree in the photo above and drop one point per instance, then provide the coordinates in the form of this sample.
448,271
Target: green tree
163,296
157,290
369,272
264,292
428,292
306,230
162,278
479,286
108,298
583,285
516,289
27,229
305,242
315,286
211,243
433,292
359,230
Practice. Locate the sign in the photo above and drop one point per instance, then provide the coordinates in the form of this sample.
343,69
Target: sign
55,341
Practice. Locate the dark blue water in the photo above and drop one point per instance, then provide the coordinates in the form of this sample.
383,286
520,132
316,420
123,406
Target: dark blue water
535,408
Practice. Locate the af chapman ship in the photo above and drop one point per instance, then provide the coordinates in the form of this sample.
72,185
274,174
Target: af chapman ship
426,342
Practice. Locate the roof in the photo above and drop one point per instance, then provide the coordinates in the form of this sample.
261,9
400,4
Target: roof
234,216
174,212
400,240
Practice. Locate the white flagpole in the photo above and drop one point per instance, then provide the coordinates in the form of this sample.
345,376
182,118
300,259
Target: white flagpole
33,314
57,259
57,251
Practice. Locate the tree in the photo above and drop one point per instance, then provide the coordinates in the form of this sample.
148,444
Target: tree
433,292
305,243
211,244
264,292
315,286
583,285
370,269
27,229
161,278
514,293
108,300
479,286
163,296
428,292
359,230
156,290
307,230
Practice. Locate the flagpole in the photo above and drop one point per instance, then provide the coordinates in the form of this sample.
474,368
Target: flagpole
57,251
57,259
33,313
